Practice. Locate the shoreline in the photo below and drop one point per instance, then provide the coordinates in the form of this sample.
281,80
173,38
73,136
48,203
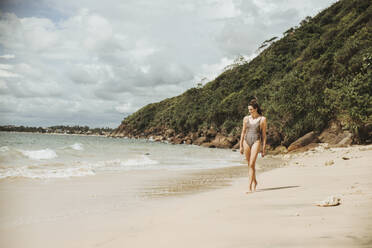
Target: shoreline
282,209
73,134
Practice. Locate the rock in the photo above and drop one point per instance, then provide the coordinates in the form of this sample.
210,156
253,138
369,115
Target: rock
233,140
346,141
211,132
180,136
329,202
221,141
169,132
303,141
188,142
331,134
158,138
365,133
335,136
345,158
194,136
328,163
236,146
208,144
177,140
309,147
279,150
200,141
147,153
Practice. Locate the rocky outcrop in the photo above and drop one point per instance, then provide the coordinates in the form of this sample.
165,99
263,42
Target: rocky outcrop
335,136
210,137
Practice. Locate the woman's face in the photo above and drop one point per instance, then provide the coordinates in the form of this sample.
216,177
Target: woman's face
252,110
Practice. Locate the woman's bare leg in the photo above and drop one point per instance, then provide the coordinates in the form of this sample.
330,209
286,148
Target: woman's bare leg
247,153
252,165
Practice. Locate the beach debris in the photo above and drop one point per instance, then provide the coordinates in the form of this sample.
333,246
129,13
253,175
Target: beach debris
330,201
345,158
147,153
329,162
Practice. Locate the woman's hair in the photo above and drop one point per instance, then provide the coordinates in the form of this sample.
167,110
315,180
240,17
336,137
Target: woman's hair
255,105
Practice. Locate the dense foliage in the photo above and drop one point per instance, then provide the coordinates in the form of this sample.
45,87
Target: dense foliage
319,71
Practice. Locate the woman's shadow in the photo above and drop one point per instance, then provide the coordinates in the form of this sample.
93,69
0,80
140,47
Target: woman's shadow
276,188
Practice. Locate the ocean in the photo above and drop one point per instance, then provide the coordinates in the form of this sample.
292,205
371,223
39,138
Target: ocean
48,156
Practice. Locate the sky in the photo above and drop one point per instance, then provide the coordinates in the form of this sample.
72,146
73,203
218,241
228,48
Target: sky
94,62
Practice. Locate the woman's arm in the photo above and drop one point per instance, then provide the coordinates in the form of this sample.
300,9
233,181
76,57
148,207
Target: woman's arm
242,135
263,128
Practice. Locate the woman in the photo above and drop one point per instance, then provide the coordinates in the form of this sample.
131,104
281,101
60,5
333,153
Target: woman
252,136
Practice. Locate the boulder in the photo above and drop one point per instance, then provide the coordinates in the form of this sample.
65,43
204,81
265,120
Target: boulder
303,141
308,147
158,138
347,140
236,146
169,132
336,137
208,144
333,134
279,150
200,141
177,140
221,141
193,136
211,132
233,140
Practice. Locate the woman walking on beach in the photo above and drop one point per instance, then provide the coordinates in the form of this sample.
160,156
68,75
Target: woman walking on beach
251,138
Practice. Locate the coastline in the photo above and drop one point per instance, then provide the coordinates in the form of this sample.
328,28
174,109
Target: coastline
72,134
281,213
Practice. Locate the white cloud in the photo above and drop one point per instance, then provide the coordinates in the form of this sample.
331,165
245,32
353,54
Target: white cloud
100,60
7,74
7,56
124,108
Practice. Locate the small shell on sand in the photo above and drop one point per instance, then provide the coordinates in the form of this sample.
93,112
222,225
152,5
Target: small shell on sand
329,201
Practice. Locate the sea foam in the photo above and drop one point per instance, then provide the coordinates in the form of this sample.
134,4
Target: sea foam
77,146
40,154
129,164
27,172
4,149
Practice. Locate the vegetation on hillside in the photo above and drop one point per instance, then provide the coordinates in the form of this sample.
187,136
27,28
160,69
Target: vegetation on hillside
318,71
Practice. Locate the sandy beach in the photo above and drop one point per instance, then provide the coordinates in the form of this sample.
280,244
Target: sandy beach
92,211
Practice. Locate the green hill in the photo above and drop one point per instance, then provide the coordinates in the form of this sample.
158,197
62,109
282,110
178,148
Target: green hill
319,72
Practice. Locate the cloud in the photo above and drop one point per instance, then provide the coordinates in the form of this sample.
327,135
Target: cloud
98,61
7,56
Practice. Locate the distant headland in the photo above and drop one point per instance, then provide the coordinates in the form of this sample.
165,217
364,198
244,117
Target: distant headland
83,130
